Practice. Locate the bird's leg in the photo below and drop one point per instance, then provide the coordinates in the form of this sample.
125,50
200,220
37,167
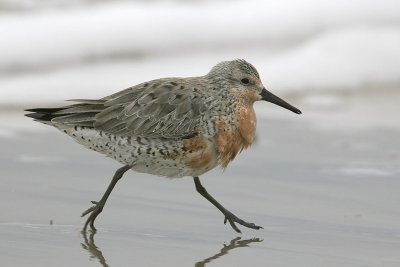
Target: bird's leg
99,205
229,216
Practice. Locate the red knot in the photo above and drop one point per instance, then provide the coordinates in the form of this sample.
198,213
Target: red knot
171,127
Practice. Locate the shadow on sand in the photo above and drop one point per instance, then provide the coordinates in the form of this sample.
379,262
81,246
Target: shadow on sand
95,252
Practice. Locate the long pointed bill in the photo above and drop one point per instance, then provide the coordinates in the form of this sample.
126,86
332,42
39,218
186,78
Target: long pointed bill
270,97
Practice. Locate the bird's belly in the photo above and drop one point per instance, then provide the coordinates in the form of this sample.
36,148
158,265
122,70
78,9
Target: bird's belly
169,158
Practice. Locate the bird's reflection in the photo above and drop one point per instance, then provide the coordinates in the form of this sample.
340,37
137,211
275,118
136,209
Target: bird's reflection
234,243
89,245
95,253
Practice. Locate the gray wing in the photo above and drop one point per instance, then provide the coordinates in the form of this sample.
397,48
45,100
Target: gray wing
169,108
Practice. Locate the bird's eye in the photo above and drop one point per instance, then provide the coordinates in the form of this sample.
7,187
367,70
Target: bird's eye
245,81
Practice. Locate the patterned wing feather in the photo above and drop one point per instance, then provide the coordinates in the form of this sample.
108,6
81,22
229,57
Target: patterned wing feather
162,108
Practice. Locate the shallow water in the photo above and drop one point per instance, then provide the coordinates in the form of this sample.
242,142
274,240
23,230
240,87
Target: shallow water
325,197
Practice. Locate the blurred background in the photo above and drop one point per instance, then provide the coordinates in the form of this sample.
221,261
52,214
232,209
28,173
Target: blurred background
324,184
56,50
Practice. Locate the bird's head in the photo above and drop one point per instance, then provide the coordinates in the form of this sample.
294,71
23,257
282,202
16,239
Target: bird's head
242,79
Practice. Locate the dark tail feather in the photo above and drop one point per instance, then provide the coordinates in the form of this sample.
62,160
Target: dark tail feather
42,114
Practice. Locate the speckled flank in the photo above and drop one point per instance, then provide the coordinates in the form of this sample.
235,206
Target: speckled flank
170,158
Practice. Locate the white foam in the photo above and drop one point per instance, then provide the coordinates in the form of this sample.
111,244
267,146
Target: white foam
90,51
57,36
340,59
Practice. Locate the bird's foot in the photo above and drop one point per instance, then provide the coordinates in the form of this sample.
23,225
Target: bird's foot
232,219
94,212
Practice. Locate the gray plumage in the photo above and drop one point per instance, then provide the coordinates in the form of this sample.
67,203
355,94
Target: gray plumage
169,108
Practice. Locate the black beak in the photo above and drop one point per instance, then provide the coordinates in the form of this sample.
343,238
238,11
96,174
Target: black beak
270,97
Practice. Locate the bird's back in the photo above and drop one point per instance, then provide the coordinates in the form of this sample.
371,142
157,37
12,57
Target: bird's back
170,108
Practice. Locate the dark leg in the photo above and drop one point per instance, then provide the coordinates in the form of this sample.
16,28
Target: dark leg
98,207
229,216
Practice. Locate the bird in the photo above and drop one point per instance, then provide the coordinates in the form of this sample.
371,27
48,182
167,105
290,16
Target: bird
169,127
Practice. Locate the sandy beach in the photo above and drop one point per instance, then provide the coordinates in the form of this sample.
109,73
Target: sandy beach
326,195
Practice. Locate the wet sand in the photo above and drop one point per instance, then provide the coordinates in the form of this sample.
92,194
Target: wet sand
326,196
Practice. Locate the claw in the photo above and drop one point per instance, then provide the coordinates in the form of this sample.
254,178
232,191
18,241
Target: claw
94,212
233,219
89,210
233,225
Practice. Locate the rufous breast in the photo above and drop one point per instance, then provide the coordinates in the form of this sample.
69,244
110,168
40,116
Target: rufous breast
232,138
